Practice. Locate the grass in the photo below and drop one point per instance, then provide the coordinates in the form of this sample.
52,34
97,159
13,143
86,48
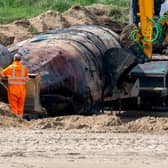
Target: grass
11,10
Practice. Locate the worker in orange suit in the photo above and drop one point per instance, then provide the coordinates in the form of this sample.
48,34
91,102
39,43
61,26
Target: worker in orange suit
17,75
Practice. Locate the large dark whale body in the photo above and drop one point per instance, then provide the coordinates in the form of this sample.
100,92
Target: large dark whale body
70,63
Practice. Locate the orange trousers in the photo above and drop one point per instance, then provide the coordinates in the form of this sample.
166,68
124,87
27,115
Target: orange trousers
16,98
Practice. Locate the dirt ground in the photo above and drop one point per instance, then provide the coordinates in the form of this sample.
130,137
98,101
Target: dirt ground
50,148
102,141
126,122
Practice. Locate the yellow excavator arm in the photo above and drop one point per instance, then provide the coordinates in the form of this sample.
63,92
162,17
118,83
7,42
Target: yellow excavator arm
149,25
146,8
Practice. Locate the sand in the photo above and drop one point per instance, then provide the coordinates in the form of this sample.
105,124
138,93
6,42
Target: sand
103,141
62,149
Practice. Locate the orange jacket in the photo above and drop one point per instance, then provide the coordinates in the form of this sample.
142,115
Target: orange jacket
17,76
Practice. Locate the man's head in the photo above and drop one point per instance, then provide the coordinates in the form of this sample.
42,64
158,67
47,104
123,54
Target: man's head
17,57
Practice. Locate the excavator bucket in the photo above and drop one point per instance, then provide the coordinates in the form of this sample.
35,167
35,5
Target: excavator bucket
32,103
117,64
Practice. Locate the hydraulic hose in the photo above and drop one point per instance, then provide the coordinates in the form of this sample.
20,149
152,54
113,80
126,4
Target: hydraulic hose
157,31
164,17
133,34
133,37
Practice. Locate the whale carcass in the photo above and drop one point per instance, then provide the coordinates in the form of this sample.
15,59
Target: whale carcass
76,74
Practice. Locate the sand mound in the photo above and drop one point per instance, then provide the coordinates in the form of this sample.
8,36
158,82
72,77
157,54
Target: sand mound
99,9
14,32
76,122
80,15
5,110
148,125
105,122
8,122
8,119
95,14
48,20
25,28
113,25
109,123
6,39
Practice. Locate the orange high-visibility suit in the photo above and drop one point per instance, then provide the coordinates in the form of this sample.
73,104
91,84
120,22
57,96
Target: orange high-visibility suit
17,76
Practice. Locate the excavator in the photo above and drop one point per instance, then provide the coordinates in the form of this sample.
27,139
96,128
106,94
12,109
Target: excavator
150,27
150,18
148,32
